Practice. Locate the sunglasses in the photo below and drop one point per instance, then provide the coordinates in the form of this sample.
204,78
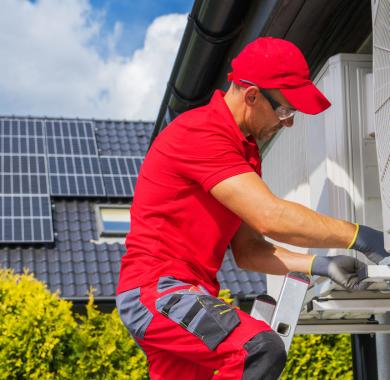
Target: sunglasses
282,112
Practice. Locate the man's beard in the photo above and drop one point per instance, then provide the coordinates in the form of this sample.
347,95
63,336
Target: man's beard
270,133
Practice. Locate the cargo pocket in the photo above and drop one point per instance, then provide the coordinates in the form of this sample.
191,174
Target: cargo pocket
207,317
133,313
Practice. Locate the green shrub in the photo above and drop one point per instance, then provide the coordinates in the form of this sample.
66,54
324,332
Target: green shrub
41,338
225,295
319,357
36,329
104,349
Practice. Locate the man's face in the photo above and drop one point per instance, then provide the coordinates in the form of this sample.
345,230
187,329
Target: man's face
262,120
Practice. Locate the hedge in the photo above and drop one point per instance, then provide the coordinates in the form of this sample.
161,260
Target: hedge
323,357
42,339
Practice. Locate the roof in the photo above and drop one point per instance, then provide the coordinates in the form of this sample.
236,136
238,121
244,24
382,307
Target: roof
77,261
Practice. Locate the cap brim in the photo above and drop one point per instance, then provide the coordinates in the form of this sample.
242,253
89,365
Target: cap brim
307,99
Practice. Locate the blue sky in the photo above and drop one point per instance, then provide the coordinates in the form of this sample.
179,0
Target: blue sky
103,59
136,16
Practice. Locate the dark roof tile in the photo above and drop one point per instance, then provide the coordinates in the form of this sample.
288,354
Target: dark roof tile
60,207
134,134
93,278
54,280
79,268
84,206
89,247
104,267
80,278
66,256
64,246
107,290
87,235
242,276
28,257
90,258
67,267
68,291
41,269
82,290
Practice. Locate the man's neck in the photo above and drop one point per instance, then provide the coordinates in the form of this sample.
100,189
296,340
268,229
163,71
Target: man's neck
234,104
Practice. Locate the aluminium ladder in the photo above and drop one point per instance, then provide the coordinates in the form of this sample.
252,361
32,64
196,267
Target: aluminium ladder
283,315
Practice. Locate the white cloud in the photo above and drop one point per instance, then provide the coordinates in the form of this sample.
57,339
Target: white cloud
51,62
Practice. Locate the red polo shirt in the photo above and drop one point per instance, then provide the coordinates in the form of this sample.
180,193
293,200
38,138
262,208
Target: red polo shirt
177,227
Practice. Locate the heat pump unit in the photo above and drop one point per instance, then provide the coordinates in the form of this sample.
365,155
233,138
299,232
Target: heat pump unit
328,162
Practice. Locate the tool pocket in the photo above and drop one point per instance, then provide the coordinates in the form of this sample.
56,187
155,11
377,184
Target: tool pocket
207,317
133,313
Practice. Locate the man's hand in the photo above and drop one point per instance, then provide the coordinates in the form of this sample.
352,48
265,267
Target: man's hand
343,270
371,242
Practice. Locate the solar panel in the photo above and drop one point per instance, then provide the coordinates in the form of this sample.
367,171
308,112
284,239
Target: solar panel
75,176
22,137
70,138
25,219
120,175
25,211
74,167
70,128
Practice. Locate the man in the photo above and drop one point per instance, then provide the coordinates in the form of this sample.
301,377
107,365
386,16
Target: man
199,189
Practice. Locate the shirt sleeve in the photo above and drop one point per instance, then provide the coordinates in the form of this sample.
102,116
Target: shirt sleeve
209,157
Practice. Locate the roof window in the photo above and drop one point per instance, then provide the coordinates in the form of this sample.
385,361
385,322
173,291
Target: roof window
113,220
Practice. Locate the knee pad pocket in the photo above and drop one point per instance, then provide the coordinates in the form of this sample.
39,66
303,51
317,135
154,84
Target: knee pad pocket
266,356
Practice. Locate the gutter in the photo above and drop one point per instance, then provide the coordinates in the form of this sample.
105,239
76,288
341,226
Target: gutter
211,28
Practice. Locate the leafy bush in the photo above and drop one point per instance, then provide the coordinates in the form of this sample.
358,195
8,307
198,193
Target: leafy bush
41,339
105,350
36,329
319,357
225,295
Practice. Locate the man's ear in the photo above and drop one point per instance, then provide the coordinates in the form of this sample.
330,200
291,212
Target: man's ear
251,96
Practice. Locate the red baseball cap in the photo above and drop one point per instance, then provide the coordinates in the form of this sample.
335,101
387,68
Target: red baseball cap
275,63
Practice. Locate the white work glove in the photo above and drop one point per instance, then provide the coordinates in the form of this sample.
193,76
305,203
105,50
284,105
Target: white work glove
343,270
